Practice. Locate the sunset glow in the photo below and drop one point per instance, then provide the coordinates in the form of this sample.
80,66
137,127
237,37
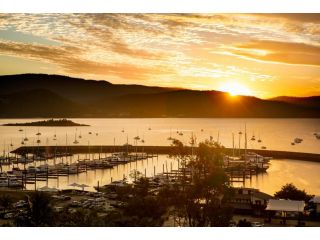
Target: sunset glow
234,89
267,52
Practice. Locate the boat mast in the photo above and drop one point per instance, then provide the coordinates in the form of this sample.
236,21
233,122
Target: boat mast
233,144
245,143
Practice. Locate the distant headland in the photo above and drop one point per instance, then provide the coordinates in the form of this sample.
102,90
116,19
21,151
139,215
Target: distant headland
49,123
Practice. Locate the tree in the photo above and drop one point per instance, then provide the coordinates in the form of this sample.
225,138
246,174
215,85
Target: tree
6,202
40,209
201,197
289,191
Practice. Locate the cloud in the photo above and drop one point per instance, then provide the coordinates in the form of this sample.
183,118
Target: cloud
298,17
285,52
70,60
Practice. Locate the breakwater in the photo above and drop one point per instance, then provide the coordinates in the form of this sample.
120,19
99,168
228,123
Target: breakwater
156,150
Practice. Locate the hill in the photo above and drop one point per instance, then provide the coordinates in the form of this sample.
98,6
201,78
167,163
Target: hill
40,95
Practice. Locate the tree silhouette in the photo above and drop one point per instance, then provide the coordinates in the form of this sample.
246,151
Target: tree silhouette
289,191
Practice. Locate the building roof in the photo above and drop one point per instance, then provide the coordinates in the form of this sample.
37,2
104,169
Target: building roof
285,205
262,195
315,199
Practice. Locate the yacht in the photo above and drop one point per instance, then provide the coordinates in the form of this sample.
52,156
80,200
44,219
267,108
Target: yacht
13,181
75,139
4,181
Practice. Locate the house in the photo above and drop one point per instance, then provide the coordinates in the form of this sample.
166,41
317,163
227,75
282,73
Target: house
285,209
249,201
316,202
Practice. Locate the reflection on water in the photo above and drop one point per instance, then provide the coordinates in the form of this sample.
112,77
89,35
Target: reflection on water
304,175
276,134
149,167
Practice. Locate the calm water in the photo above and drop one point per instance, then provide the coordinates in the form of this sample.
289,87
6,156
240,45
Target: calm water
276,134
304,175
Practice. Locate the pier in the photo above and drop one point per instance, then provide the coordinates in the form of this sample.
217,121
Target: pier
156,150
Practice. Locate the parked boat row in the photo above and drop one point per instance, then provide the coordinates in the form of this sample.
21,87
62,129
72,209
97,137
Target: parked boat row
249,160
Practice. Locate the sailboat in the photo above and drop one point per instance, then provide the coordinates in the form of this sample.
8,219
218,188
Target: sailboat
170,138
80,135
253,138
75,138
122,130
25,136
38,133
259,140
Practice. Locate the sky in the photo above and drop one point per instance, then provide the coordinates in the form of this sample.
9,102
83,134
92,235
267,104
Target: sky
263,55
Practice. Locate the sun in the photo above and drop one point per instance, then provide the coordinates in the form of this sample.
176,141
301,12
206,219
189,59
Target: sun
235,89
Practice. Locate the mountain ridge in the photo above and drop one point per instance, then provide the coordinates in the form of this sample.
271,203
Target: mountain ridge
41,95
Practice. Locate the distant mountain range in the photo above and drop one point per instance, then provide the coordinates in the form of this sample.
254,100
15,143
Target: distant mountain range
41,95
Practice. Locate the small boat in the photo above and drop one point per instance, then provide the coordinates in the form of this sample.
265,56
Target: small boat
122,130
142,140
240,133
259,140
97,134
4,182
22,142
76,141
80,135
149,128
38,133
90,133
180,133
20,130
263,147
136,138
293,143
38,141
201,130
298,140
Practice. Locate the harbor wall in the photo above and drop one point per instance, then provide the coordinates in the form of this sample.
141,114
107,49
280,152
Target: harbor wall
158,150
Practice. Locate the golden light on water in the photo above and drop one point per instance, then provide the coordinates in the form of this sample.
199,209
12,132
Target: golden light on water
235,89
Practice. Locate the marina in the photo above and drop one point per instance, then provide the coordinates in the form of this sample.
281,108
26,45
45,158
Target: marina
34,163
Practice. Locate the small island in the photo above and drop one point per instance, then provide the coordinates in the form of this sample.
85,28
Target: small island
49,123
